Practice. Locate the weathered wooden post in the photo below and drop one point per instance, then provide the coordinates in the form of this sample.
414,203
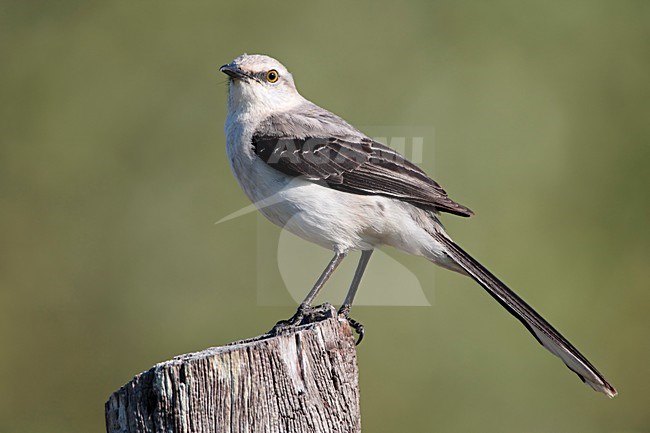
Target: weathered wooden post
303,381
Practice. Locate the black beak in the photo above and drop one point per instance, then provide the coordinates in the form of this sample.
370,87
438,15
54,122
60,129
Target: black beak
233,71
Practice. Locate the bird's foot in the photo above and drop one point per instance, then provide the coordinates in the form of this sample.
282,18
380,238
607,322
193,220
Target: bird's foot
304,315
358,327
291,322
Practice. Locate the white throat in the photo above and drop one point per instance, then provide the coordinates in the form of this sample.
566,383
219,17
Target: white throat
255,99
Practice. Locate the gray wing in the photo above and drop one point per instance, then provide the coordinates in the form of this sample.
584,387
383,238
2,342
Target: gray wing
321,147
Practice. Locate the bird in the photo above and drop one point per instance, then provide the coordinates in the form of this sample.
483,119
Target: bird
312,173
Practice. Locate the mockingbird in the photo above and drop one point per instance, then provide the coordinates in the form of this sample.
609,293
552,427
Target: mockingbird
332,185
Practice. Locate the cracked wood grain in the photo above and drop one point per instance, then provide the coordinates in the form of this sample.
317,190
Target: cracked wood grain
305,380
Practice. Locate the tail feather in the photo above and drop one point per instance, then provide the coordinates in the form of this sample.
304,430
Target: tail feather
547,336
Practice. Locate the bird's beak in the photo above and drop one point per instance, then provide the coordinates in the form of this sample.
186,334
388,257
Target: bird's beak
233,71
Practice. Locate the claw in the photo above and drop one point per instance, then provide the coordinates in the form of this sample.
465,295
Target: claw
358,327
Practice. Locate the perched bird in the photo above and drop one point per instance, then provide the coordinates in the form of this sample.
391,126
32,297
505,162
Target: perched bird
312,173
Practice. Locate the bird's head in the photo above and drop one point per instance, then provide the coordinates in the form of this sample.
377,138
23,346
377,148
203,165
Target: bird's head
259,83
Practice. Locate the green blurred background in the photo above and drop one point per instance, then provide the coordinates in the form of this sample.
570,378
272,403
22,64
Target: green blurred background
113,172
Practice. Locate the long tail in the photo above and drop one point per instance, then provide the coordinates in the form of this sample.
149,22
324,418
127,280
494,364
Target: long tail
540,328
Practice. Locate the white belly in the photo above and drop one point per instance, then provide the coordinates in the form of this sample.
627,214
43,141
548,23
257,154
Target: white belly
313,212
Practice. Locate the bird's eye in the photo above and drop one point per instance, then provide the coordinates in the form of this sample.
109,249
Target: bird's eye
272,76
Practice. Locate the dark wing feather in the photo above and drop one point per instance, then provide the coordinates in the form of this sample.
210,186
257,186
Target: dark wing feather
355,165
317,145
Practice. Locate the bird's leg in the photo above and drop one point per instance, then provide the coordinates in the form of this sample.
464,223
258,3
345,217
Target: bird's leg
349,298
305,306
